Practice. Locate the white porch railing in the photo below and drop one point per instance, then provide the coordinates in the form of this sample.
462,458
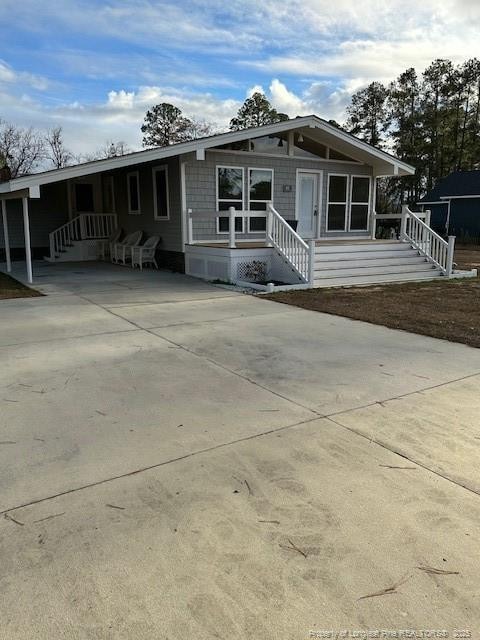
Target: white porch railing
232,234
299,255
427,242
423,238
86,226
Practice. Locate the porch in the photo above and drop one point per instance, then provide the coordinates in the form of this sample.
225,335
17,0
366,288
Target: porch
281,259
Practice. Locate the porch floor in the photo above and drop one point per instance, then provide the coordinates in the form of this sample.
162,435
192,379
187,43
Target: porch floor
244,244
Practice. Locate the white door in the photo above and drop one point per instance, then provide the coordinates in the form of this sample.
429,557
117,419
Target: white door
307,203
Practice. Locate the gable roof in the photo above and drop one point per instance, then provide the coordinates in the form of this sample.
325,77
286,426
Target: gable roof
456,185
383,163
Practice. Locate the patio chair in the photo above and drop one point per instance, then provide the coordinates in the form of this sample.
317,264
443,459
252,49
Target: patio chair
122,250
105,247
145,254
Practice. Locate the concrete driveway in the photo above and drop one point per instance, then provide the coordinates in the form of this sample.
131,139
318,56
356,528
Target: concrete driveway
181,461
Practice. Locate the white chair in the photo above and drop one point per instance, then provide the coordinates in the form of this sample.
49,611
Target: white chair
145,254
122,250
105,247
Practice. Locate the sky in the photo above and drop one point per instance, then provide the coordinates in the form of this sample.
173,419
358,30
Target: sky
94,67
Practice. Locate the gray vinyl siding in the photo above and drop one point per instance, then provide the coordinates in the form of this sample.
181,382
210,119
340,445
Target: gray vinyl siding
201,185
170,230
46,214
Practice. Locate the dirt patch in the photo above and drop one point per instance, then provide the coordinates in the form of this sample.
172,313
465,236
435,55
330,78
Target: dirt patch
467,257
447,309
11,288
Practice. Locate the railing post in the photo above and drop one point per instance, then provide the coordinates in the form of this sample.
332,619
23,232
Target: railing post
403,224
231,228
189,227
428,215
82,227
450,252
269,227
374,225
311,260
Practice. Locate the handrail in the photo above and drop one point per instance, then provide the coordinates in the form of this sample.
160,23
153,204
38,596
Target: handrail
427,242
86,226
298,254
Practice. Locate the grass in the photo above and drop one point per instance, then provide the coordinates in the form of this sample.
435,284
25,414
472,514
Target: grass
446,309
11,288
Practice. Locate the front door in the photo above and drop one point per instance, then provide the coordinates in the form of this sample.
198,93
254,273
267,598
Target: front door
308,191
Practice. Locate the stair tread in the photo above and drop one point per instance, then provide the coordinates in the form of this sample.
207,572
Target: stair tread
359,271
378,279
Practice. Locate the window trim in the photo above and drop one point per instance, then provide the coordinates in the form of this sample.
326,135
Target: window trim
249,200
346,203
242,169
155,170
350,228
138,211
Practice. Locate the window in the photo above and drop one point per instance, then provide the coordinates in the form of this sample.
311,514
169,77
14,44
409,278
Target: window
359,203
133,188
337,203
84,197
229,194
160,193
260,192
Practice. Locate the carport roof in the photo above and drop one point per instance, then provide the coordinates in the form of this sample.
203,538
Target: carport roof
383,163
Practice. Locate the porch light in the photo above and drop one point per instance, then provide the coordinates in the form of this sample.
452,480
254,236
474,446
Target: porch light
280,142
300,138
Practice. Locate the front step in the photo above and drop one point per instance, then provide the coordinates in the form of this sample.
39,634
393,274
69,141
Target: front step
377,270
431,274
77,251
360,247
369,262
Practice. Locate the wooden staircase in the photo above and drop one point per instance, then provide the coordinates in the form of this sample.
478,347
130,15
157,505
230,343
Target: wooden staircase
351,263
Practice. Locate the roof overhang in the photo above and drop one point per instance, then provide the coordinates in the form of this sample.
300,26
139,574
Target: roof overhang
383,163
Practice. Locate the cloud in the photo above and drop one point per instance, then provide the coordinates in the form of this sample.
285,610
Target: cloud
95,68
22,78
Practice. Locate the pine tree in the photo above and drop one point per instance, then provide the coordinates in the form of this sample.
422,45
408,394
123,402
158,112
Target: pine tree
256,111
368,114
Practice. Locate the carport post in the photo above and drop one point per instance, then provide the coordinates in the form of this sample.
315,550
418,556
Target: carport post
6,239
26,231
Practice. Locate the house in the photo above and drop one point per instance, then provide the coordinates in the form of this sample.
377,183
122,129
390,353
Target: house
291,202
455,204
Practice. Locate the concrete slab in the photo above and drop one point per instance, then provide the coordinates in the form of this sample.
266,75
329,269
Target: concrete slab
325,362
438,428
188,550
196,311
173,477
81,410
56,317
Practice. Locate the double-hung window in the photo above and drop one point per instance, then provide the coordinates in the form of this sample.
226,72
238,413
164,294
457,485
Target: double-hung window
260,192
230,193
133,188
160,193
